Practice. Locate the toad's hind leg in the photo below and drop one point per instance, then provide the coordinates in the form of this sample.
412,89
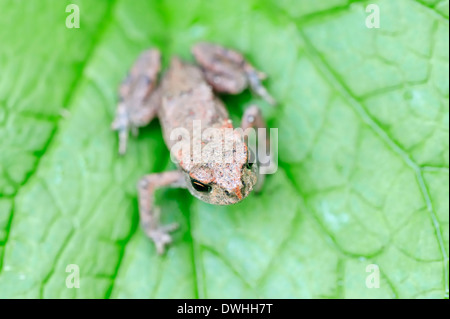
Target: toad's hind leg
139,97
228,71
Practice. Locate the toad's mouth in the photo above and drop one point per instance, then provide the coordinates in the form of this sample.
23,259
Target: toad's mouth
240,193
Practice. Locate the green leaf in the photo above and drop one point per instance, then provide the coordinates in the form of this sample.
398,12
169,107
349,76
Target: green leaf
363,176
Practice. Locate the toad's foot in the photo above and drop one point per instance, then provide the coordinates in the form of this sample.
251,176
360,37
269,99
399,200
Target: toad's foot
159,233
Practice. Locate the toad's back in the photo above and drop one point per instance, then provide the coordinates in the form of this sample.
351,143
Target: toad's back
185,97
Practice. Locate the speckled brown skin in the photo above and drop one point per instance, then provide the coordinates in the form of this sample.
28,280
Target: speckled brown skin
185,95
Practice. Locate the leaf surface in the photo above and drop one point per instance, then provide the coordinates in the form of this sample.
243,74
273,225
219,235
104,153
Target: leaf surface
363,121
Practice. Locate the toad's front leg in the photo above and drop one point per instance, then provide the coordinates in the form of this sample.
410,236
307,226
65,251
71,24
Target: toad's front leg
149,213
253,118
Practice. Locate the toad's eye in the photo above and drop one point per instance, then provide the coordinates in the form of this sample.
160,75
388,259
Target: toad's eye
250,159
200,187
